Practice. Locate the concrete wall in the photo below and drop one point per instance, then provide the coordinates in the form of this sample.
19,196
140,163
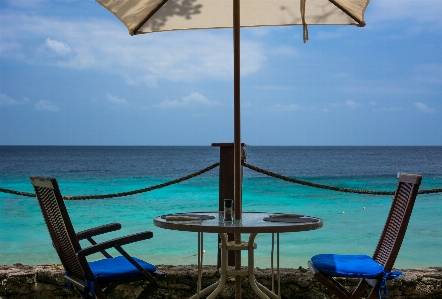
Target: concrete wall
46,282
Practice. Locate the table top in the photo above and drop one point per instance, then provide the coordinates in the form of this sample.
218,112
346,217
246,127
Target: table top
251,222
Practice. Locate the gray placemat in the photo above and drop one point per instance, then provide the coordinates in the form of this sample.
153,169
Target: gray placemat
291,219
202,217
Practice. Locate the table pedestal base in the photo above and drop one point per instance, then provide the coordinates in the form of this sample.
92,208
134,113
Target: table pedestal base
225,271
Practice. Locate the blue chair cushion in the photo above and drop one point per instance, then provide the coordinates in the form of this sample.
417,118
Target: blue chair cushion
117,268
357,266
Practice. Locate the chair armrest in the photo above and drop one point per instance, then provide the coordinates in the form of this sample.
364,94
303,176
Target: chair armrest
115,242
98,230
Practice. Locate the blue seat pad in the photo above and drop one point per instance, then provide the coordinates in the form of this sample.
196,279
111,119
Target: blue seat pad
117,268
357,266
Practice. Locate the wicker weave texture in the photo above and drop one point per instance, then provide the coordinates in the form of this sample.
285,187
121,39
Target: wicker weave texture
56,221
396,224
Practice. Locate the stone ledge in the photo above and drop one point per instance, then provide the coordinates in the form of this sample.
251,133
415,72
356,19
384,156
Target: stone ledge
46,282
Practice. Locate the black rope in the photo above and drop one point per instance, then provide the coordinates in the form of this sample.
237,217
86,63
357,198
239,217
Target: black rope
17,192
103,196
255,168
176,181
348,190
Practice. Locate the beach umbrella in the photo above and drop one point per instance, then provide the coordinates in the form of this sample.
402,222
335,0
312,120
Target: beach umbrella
147,16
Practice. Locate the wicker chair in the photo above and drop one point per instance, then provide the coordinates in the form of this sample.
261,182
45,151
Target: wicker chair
98,278
372,271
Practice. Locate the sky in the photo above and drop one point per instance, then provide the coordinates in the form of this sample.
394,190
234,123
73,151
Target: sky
70,74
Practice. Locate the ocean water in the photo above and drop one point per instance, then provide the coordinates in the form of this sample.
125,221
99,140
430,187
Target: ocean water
103,170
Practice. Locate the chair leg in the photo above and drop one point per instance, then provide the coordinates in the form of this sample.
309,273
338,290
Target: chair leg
333,286
330,283
99,294
374,292
80,292
109,289
362,286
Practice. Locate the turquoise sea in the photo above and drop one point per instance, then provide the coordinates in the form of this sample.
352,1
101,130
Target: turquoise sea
103,170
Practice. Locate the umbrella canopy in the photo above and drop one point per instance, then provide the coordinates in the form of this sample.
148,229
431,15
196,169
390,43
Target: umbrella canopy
162,15
146,16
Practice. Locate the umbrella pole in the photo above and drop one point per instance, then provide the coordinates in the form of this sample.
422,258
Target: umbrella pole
237,136
237,112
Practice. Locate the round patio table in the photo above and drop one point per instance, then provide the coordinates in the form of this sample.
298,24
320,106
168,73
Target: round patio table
251,223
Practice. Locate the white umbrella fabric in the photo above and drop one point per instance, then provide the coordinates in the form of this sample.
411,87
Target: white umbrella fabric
145,16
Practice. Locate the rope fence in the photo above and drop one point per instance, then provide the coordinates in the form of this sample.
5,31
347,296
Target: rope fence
310,184
103,196
195,174
17,192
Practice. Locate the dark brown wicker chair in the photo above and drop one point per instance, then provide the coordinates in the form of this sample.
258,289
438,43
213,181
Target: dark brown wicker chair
325,267
97,278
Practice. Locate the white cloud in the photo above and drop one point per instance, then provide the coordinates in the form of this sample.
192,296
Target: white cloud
149,80
351,104
115,100
58,47
8,101
387,109
46,106
26,4
11,49
347,104
376,108
184,56
252,57
284,51
284,108
246,105
272,87
194,98
424,108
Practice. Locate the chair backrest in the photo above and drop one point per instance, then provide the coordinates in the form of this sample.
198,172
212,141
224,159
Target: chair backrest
59,224
394,230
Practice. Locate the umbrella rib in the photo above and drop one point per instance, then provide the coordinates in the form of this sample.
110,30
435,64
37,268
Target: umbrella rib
154,11
361,22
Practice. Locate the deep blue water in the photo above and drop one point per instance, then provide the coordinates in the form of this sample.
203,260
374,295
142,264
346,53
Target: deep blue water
102,170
